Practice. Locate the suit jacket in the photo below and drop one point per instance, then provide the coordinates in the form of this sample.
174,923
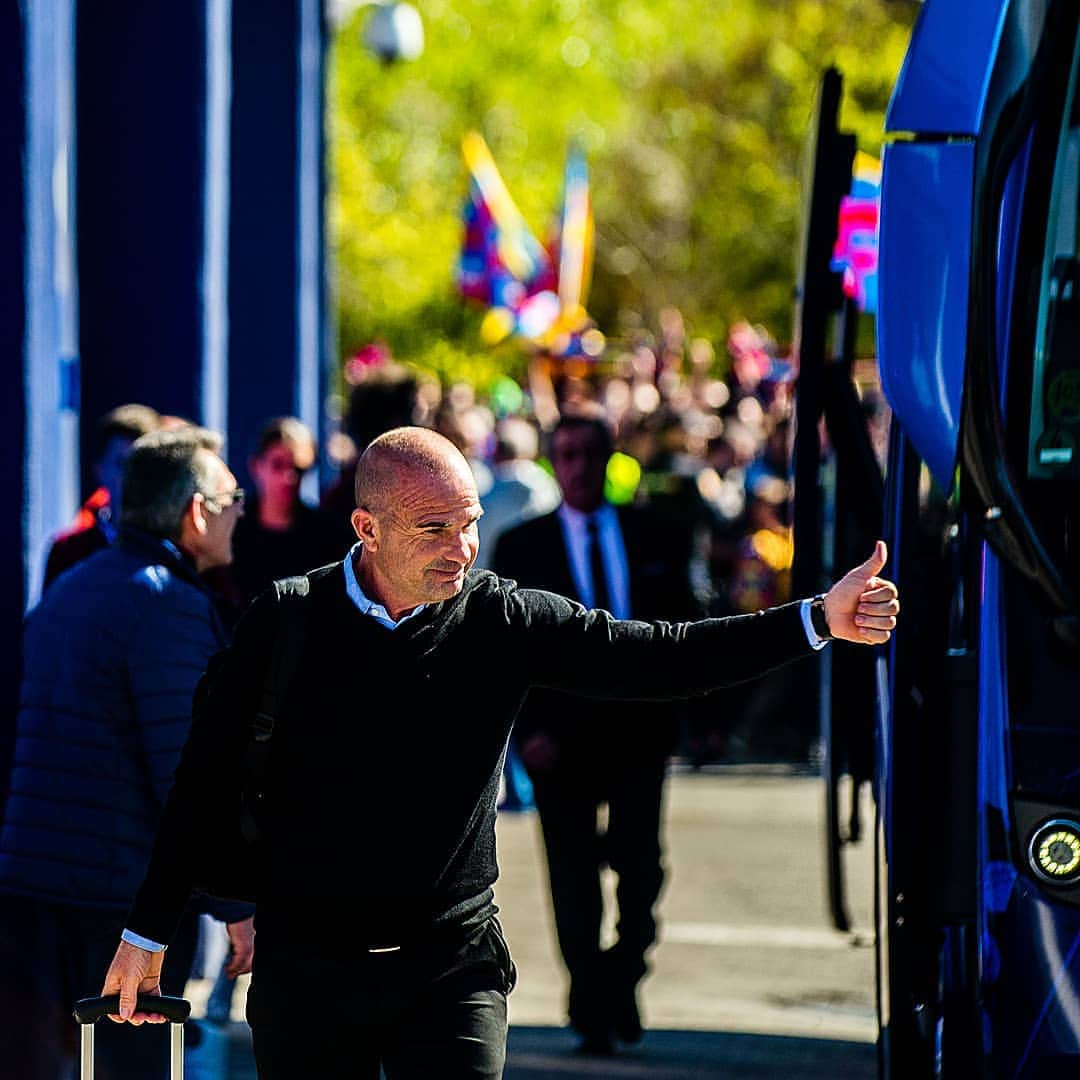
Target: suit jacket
597,739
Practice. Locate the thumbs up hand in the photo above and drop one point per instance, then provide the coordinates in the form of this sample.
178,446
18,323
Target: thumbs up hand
862,607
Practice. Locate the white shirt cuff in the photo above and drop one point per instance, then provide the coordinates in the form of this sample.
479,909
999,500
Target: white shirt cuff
816,642
141,942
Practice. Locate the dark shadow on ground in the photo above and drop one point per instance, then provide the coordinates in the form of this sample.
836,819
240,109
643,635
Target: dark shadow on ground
545,1053
550,1054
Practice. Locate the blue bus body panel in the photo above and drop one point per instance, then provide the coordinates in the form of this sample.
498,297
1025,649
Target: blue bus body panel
941,89
925,256
1035,1006
1029,944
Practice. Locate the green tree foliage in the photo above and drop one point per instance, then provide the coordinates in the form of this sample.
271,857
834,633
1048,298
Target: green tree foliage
694,115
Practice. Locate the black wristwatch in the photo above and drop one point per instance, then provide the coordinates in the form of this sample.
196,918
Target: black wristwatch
817,617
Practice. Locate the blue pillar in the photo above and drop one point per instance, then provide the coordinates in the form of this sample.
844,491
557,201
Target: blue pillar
142,93
12,329
38,317
12,293
277,308
50,400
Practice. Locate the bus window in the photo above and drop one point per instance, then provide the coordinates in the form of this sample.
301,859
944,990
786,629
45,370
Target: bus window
1054,445
1044,722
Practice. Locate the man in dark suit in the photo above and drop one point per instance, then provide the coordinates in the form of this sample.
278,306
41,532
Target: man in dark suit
583,755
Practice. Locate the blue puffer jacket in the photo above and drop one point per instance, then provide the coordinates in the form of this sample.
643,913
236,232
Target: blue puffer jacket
111,657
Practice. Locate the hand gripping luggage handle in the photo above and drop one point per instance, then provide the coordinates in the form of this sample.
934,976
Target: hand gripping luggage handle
89,1010
175,1009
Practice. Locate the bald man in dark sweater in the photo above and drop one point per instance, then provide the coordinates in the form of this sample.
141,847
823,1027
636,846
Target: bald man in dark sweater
383,911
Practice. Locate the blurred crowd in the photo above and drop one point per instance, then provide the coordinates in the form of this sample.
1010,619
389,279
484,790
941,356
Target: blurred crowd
705,441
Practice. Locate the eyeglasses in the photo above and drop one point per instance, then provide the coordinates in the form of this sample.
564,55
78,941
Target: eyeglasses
235,497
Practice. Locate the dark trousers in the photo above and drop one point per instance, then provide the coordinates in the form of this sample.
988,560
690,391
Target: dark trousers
576,852
52,955
420,1013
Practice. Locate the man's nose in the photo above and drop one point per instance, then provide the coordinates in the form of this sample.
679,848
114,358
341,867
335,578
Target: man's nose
461,547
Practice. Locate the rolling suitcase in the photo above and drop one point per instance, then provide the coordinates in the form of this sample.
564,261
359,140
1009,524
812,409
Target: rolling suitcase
89,1010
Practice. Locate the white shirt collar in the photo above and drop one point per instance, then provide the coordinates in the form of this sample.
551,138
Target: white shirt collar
365,605
604,515
575,526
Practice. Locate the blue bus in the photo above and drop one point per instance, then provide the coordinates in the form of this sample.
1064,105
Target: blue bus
973,750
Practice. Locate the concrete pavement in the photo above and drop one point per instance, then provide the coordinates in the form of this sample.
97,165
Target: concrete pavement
749,977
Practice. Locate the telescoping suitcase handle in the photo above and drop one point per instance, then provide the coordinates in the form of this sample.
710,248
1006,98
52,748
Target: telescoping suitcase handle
175,1009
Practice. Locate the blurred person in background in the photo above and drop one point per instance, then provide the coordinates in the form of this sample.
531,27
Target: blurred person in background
95,525
521,488
470,426
111,657
384,394
583,755
280,534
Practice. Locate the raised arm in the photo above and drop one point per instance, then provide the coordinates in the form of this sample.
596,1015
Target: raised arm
559,644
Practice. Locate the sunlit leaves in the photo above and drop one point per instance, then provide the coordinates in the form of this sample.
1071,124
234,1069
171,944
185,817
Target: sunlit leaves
694,116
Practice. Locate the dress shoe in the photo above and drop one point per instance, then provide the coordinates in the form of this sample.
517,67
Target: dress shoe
590,1017
596,1044
625,1016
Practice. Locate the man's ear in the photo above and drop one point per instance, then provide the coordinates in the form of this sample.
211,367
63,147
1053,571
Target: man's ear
366,528
195,515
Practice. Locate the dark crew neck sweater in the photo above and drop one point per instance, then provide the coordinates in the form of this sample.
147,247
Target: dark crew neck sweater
375,715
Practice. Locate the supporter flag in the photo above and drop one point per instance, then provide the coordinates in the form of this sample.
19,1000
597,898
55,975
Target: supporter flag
533,294
855,253
501,261
575,239
571,332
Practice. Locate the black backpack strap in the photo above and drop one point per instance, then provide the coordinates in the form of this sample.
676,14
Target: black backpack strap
293,613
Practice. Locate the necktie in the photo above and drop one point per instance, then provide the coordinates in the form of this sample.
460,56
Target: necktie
596,568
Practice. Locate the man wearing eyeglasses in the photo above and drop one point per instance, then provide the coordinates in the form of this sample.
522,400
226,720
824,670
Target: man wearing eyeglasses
112,654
